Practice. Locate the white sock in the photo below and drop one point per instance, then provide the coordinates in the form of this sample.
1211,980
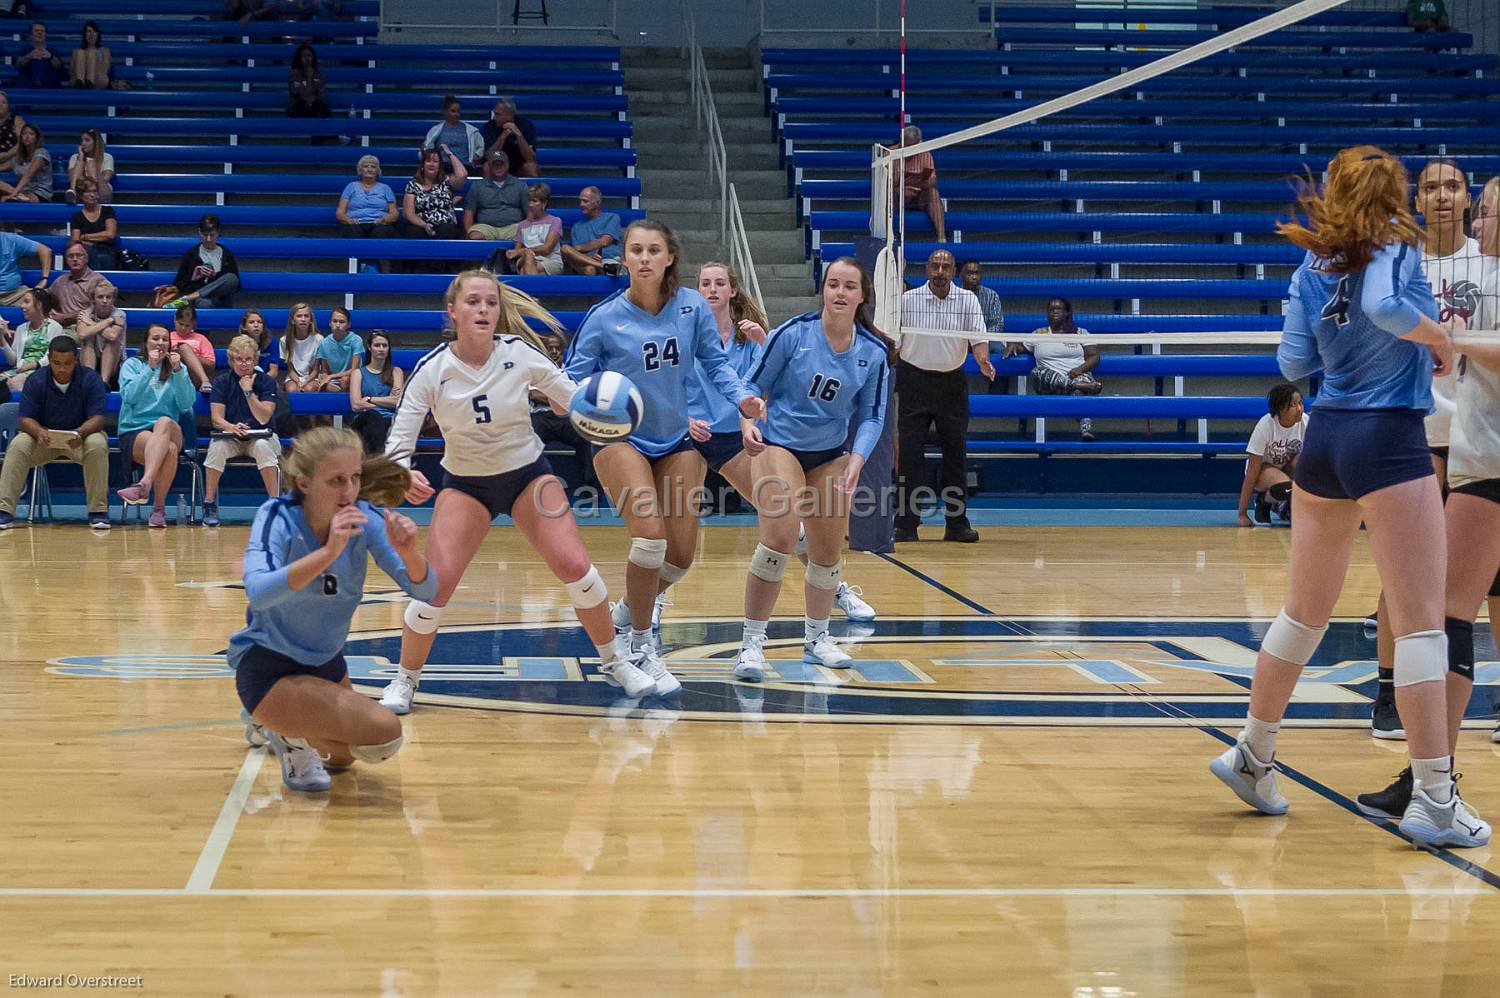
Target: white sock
609,651
415,675
754,628
1260,737
1435,776
639,639
813,629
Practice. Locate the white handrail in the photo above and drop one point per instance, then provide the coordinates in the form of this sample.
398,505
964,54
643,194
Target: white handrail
739,250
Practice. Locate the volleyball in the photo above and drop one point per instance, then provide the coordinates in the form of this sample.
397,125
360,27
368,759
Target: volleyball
607,407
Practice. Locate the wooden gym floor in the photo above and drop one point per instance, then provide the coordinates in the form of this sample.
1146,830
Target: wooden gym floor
1008,796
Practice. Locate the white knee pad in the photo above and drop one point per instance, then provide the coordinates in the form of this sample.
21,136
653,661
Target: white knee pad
423,617
767,565
823,576
377,753
671,574
648,552
1292,641
1421,657
588,591
801,549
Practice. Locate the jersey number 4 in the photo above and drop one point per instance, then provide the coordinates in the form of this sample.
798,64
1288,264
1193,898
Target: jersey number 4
481,410
826,389
1337,308
654,355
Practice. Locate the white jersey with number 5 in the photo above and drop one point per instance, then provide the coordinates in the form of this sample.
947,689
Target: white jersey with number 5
482,412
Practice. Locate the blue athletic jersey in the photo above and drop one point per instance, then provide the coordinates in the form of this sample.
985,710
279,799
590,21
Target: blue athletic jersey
661,354
706,403
309,625
814,392
1348,324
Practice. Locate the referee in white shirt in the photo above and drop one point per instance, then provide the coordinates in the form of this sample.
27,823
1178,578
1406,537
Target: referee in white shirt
932,389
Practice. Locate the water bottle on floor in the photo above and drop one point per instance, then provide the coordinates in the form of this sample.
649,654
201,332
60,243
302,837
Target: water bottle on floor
182,510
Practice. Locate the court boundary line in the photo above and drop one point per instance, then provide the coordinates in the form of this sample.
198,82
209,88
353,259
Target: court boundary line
201,880
750,893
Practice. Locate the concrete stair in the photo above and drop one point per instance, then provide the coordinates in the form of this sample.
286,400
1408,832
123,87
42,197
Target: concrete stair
672,163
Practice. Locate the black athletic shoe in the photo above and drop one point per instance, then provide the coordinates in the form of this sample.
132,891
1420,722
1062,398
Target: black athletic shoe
1283,511
961,533
1391,802
1262,508
1385,723
905,535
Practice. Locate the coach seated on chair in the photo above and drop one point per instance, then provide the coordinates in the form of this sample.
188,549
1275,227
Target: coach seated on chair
62,419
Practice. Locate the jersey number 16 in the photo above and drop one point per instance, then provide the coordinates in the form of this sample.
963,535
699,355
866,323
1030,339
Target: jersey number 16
826,389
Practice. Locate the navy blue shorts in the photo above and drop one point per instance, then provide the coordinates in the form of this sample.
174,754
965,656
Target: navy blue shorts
126,444
685,444
498,493
721,448
259,669
810,459
1349,453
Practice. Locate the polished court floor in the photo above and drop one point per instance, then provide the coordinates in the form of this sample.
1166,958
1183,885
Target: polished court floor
1008,795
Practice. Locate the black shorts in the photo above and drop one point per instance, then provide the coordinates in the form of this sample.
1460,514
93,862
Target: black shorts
1488,488
810,459
685,444
1350,453
498,493
1441,452
259,669
127,450
721,448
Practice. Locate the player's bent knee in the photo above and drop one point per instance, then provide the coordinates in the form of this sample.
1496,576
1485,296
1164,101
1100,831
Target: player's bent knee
648,552
672,574
1460,635
377,753
588,591
768,565
423,617
823,576
1291,640
1421,657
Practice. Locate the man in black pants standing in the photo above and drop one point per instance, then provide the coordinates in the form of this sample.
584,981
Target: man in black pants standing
932,390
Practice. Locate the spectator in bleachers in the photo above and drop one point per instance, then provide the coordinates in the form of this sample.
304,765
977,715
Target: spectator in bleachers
427,204
367,208
101,331
455,133
1487,218
90,64
34,169
241,407
267,347
207,273
196,349
155,391
62,419
1427,15
95,226
971,277
12,247
25,348
307,91
919,182
339,353
538,237
495,206
514,135
374,392
11,124
1272,453
1062,367
38,66
73,292
92,161
934,394
299,349
594,242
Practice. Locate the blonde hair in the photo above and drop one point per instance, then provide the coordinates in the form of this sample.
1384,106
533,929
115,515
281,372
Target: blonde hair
741,306
515,307
286,337
382,481
1362,208
244,344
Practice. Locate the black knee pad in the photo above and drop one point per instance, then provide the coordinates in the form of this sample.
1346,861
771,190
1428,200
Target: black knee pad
1280,492
1460,647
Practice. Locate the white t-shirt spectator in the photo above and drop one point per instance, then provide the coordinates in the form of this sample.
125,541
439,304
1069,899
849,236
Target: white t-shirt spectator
534,233
1275,444
1060,352
304,352
108,165
1456,282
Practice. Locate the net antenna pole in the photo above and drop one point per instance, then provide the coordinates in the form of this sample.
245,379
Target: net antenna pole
888,215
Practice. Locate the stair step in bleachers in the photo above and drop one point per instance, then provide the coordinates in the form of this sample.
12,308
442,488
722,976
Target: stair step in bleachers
280,127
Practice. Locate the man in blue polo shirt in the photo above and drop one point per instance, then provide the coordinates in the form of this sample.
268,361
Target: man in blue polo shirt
12,248
62,419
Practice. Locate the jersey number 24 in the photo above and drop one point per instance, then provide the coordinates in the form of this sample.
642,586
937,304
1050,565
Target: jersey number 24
654,355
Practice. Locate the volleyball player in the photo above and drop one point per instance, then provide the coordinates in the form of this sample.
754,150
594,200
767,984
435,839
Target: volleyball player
819,370
305,576
657,334
476,387
1361,311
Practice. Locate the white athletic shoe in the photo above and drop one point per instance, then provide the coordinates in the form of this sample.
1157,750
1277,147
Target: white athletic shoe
648,660
397,695
824,652
623,672
661,601
255,733
1252,781
1431,825
619,615
301,765
751,664
848,599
